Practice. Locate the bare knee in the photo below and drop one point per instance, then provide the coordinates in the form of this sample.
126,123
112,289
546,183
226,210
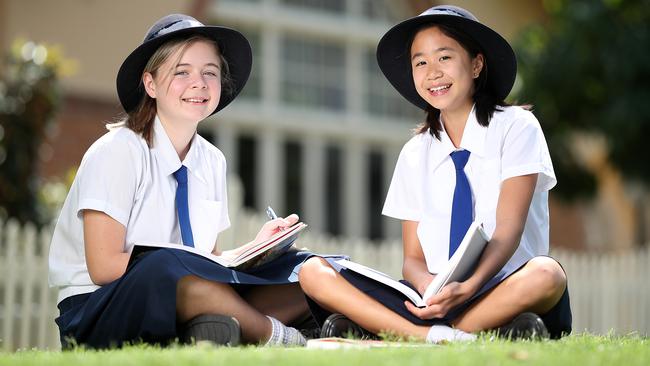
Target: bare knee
313,273
544,281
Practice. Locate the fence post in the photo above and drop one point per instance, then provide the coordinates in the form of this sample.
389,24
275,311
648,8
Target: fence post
26,261
12,232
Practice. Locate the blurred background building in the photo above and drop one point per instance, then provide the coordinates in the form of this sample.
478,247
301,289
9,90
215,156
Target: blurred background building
318,129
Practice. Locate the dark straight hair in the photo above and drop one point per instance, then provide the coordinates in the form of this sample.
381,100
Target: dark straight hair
486,103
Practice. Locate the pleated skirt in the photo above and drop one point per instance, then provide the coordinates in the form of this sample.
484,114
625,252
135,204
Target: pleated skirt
141,305
558,320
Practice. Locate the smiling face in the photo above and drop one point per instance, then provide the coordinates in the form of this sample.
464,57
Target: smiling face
187,86
443,71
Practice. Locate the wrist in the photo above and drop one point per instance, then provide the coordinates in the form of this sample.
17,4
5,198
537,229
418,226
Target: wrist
424,282
471,285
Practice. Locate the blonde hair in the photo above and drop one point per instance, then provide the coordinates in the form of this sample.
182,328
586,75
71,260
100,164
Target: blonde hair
141,118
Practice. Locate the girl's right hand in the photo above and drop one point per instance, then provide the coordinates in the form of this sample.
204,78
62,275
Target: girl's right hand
271,227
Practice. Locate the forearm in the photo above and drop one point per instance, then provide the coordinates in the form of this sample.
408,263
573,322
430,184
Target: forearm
415,271
104,239
497,253
110,268
512,211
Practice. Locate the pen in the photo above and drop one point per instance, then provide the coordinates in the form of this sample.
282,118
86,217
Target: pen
270,213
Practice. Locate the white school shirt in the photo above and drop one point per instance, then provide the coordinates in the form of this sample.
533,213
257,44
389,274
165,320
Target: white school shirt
122,177
422,187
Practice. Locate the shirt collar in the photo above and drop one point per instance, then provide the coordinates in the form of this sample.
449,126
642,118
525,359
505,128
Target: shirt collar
474,135
167,156
473,140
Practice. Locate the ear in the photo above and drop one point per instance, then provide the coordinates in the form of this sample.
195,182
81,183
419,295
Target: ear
477,65
149,84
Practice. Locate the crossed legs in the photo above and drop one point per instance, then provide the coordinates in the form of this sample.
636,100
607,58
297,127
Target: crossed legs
196,296
536,287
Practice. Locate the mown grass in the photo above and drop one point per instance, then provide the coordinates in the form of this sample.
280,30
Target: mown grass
573,350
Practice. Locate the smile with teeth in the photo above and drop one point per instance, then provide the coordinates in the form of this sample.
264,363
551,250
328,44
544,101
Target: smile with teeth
195,100
439,88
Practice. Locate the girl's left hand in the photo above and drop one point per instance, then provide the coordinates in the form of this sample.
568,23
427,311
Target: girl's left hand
438,305
271,227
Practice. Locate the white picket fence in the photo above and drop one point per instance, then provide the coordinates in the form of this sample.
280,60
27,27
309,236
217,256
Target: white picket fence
609,293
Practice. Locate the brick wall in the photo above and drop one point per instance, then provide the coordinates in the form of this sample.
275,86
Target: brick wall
79,123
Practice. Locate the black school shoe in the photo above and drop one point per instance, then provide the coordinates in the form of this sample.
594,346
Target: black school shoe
220,330
307,326
338,325
524,326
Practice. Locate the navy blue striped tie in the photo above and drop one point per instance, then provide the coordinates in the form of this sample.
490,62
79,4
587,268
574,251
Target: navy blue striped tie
461,207
182,206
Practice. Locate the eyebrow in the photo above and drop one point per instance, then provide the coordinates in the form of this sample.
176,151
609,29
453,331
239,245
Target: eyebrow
208,64
418,54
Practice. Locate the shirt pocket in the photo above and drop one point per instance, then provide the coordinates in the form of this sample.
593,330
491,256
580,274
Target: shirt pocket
205,219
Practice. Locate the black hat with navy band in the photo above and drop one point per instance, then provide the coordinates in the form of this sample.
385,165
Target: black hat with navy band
233,46
393,53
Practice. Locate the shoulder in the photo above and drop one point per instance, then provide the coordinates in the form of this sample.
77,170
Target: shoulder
117,139
416,143
514,115
211,154
209,150
411,153
118,144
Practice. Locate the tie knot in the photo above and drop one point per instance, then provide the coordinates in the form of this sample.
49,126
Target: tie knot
460,158
181,175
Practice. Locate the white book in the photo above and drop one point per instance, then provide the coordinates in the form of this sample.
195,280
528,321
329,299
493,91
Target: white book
459,267
242,258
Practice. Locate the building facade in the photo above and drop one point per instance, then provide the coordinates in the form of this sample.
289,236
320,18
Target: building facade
316,131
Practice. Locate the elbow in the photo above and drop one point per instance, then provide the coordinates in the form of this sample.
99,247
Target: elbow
100,278
101,274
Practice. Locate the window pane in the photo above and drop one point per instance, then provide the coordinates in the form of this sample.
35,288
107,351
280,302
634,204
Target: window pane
334,6
292,178
253,88
376,194
333,190
381,98
313,73
377,10
246,168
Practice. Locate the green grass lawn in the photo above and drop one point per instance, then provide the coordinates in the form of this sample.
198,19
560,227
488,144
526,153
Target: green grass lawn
573,350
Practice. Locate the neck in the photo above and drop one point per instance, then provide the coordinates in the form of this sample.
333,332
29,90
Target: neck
455,121
180,136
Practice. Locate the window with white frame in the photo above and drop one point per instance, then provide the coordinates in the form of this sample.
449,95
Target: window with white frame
378,10
334,6
381,98
313,73
253,88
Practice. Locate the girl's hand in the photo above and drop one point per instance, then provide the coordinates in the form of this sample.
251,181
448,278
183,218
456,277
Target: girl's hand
453,294
271,227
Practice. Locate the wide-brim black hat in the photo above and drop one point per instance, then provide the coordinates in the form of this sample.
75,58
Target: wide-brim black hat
393,53
233,46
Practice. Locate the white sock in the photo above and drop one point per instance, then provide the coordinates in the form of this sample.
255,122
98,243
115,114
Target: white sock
281,335
439,333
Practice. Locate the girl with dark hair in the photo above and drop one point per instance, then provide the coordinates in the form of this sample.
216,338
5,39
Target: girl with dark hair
474,159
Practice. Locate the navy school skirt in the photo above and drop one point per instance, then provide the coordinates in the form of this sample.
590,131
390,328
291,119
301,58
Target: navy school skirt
557,320
141,305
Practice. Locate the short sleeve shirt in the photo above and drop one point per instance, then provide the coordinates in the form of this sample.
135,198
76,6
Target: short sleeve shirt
423,183
134,184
